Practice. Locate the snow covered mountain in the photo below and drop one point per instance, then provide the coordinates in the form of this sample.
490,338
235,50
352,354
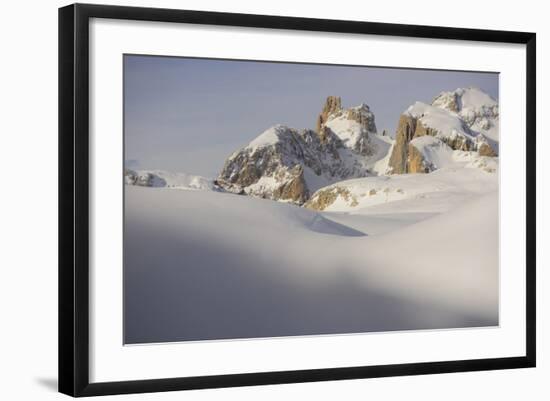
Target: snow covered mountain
346,162
415,251
160,178
288,164
455,138
461,120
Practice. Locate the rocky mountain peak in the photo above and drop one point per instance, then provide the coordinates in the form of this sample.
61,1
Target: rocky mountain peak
333,104
362,115
333,110
288,164
448,100
350,126
465,119
475,107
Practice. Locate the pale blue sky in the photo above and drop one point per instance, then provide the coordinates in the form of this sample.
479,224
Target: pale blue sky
188,115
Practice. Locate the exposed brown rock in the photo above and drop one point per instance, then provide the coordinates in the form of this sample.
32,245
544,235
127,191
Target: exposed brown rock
406,129
459,143
321,200
422,130
326,197
324,133
362,118
486,150
249,175
406,159
415,162
295,189
333,104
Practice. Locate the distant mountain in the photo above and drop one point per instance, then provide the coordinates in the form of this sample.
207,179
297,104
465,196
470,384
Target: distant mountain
160,178
461,120
288,164
338,163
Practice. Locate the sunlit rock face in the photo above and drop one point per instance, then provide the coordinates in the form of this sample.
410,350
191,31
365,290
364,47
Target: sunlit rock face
464,119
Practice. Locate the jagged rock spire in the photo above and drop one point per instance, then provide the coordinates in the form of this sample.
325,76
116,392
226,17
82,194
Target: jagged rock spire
333,104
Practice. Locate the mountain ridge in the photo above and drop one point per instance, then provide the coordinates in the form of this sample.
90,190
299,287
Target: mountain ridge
458,129
289,164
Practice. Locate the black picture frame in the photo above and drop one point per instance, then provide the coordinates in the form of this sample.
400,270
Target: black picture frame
74,198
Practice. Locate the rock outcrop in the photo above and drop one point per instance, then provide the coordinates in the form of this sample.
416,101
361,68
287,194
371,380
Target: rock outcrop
417,163
326,197
160,178
288,164
143,179
406,130
465,120
333,105
486,150
352,125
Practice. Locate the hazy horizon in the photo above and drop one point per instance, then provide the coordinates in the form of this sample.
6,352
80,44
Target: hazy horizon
188,115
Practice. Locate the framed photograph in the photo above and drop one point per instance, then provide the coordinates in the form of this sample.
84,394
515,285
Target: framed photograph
250,199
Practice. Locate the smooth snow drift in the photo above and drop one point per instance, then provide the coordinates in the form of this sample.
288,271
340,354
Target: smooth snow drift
203,265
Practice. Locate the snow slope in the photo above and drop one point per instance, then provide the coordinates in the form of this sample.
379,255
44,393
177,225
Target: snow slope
271,136
461,176
211,265
448,124
350,132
